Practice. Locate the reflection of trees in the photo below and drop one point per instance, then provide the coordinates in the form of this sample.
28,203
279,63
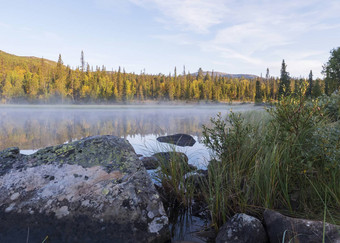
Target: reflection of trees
35,129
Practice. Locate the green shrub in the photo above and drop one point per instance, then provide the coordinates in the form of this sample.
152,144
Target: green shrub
284,161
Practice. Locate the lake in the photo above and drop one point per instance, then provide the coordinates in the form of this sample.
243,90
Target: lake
32,127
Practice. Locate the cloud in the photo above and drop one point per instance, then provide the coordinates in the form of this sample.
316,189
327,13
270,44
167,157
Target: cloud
189,15
178,39
253,33
4,25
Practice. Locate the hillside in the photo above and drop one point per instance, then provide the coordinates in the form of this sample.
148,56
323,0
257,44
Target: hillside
37,80
10,61
228,75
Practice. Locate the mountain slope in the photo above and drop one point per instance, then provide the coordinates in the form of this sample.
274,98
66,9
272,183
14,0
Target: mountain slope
10,61
229,75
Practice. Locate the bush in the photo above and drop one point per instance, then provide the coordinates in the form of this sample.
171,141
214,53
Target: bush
331,105
289,161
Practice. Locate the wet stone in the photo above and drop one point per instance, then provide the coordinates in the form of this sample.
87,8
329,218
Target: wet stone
92,190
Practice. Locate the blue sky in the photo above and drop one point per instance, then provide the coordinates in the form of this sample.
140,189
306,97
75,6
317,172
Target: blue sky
234,36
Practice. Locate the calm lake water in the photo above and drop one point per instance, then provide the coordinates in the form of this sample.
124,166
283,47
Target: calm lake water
34,127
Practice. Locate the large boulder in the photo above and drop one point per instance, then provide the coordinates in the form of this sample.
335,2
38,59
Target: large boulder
178,139
91,190
242,228
281,228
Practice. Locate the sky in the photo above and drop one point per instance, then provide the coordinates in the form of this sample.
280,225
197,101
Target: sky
155,36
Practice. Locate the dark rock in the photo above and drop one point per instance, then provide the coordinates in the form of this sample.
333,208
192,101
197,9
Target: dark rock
8,158
192,167
178,139
199,208
281,228
91,190
9,153
203,172
150,163
242,228
166,157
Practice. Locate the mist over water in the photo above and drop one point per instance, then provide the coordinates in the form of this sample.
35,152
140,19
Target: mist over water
34,127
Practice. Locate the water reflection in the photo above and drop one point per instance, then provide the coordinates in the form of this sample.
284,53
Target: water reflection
31,128
36,127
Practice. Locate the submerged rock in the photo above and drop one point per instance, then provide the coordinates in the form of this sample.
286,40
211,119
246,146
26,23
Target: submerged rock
281,228
91,190
242,228
167,157
150,163
178,139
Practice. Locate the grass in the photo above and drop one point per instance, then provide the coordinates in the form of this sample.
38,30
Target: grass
284,159
178,189
281,159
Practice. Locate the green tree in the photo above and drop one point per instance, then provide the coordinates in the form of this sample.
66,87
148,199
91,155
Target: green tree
316,92
284,88
82,61
332,72
310,84
199,74
258,93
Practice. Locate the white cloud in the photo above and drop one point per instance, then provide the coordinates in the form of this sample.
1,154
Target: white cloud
178,39
190,15
253,33
4,25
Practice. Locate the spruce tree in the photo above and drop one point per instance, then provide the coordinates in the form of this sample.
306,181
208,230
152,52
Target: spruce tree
82,61
200,74
258,94
310,84
284,88
316,92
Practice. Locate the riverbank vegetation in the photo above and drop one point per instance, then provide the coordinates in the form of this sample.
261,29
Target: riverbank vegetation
37,80
286,158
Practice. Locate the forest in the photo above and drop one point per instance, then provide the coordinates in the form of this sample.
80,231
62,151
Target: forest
38,80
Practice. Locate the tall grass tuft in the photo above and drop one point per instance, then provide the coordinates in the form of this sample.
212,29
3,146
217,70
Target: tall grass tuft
178,188
283,158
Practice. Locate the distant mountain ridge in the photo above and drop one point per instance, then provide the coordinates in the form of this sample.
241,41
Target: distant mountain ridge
228,75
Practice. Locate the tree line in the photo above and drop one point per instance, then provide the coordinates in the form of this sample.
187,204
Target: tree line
40,80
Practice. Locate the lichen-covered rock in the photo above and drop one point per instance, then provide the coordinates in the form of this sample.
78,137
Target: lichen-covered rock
178,139
242,228
281,228
91,190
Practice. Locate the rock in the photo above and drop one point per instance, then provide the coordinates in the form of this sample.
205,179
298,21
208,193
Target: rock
203,172
150,163
8,158
154,161
178,139
166,157
242,228
281,228
91,190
